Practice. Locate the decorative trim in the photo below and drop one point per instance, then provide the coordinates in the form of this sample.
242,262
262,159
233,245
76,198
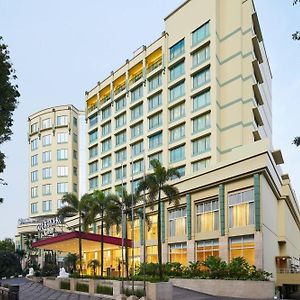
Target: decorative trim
257,199
189,216
162,219
222,208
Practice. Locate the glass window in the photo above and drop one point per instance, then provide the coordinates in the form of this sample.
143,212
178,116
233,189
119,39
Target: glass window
200,34
34,208
155,140
106,112
75,154
46,189
136,112
121,120
241,208
62,154
155,82
60,204
75,188
46,140
120,103
93,183
154,101
137,130
121,138
62,171
177,133
93,136
201,100
106,145
135,184
157,156
106,162
34,127
62,137
181,171
34,144
106,128
177,112
177,71
201,145
155,121
201,123
46,173
177,154
61,120
121,156
138,148
177,222
75,138
121,173
138,167
242,246
137,93
152,233
46,156
93,167
207,216
62,187
177,49
177,91
34,160
46,123
75,173
75,121
152,254
207,248
200,56
201,164
47,206
34,192
178,253
93,152
106,178
201,78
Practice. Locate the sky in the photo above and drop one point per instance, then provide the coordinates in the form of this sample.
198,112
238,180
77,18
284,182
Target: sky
60,49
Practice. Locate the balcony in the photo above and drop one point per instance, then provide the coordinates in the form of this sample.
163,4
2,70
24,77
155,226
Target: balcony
154,65
136,78
92,108
120,89
257,72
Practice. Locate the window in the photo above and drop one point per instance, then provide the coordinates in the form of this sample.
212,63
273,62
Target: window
152,253
121,138
177,112
177,133
157,156
201,145
155,121
177,49
120,156
121,173
34,192
93,167
34,144
241,208
62,171
201,78
34,127
201,164
152,233
62,137
75,154
135,184
154,82
46,123
34,176
93,152
121,120
136,112
201,100
137,130
177,91
34,208
93,136
200,34
177,222
207,248
154,101
181,171
138,167
46,173
75,188
177,154
34,160
178,253
75,138
242,246
93,120
75,121
93,183
46,189
60,204
207,216
75,171
46,140
106,145
46,156
106,129
201,123
137,93
62,154
176,71
106,178
120,103
138,148
61,120
106,162
106,112
47,206
200,56
155,140
62,187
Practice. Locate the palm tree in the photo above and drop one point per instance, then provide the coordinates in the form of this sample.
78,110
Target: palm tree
94,264
156,185
70,261
74,206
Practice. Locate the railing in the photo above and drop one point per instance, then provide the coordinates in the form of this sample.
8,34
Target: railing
10,293
288,270
136,78
157,63
91,108
105,99
120,89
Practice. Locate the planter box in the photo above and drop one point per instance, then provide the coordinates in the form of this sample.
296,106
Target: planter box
229,288
159,291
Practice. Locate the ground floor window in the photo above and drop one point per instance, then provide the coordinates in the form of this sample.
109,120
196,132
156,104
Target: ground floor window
207,248
242,246
178,253
152,254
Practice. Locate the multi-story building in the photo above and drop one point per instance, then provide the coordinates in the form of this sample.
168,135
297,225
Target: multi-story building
199,99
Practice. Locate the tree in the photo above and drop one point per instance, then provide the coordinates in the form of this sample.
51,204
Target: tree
8,100
296,141
70,261
74,206
7,245
94,264
296,35
156,185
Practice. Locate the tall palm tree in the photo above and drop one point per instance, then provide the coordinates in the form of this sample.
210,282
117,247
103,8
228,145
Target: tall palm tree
156,185
94,264
72,207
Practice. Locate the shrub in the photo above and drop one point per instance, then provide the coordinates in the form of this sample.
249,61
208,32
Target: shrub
9,264
139,293
104,289
82,287
65,285
50,270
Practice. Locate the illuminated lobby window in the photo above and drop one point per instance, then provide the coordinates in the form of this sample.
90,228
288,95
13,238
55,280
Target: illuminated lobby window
207,248
177,222
136,231
152,256
152,233
178,253
241,208
242,246
207,218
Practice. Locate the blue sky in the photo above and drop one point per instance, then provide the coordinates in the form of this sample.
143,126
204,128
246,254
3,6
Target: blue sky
60,49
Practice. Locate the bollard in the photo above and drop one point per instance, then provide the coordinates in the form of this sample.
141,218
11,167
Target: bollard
14,292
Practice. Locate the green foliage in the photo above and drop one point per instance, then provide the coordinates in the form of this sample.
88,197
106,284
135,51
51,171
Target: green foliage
70,261
104,289
65,285
138,292
82,287
50,270
94,264
7,245
9,264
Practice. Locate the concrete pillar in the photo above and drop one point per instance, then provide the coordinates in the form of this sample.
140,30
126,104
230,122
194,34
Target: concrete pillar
258,252
117,288
165,256
224,249
159,291
92,287
72,284
190,250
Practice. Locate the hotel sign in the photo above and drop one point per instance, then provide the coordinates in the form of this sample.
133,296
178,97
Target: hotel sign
48,226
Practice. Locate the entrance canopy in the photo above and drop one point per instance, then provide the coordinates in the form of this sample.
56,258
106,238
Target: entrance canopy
69,242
